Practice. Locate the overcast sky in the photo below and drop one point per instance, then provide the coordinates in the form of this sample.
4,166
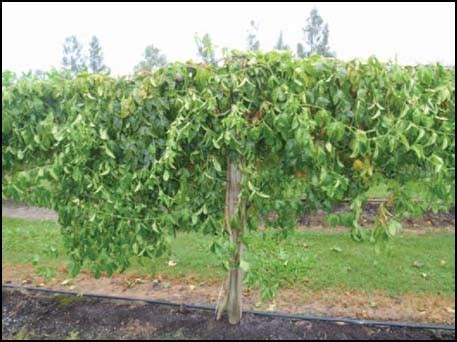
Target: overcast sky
33,33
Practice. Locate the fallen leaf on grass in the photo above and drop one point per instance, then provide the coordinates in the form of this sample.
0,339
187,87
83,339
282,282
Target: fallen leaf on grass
418,264
172,263
337,249
425,276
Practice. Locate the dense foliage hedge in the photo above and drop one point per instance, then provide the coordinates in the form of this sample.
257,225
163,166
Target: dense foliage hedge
128,161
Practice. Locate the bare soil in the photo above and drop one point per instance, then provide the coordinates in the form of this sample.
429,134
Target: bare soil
23,210
56,317
425,308
427,221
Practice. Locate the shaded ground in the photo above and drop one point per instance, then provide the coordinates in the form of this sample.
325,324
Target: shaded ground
317,220
429,219
424,308
45,316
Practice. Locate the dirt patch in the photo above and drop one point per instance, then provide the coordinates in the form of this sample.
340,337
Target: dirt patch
40,316
367,219
23,210
425,308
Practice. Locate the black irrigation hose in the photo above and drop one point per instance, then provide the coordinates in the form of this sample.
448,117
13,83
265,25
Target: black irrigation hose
258,313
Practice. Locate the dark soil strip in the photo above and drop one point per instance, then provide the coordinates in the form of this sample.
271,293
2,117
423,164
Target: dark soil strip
47,316
259,313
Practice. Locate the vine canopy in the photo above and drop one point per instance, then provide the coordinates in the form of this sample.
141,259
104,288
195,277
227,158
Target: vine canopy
127,162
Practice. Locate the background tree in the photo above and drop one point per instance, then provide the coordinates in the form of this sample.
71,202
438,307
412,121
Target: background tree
206,49
152,58
95,63
253,41
73,58
280,44
301,51
315,37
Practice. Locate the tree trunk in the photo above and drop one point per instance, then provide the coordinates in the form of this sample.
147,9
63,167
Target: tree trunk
235,211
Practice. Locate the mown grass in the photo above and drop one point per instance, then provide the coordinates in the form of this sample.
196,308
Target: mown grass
312,260
381,190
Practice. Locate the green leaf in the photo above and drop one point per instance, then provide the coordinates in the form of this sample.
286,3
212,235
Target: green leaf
419,151
103,134
261,194
217,166
166,175
421,134
328,146
109,153
216,144
244,265
445,143
394,227
404,141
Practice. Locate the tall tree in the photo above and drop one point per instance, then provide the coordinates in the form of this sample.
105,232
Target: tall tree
152,58
73,58
301,51
96,57
280,44
206,49
253,41
315,36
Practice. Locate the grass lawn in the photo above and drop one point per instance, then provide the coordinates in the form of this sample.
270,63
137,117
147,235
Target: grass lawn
412,264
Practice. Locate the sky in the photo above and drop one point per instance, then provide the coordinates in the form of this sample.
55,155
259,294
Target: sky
33,33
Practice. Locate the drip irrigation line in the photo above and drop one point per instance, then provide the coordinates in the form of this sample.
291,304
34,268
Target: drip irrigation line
257,313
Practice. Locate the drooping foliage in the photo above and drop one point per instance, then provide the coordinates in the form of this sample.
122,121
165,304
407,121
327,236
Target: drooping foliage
128,162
